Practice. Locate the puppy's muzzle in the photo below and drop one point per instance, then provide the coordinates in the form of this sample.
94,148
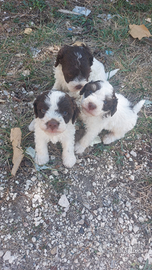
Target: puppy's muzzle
52,125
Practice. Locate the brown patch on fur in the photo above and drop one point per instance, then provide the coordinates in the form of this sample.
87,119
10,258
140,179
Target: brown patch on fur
68,108
90,88
40,107
111,104
72,65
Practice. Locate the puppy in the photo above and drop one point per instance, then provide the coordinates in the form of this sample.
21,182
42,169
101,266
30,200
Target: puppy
75,66
55,114
103,109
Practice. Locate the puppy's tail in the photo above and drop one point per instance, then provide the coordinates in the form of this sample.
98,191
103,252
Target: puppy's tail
111,73
138,106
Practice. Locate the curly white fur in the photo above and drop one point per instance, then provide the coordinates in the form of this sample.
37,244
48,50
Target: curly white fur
122,121
64,133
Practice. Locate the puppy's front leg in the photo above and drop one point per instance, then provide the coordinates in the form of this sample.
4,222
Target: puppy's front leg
85,141
41,149
68,155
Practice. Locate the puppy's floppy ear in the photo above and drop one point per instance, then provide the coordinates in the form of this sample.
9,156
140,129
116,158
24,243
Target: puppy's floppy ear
89,54
76,110
60,55
35,108
111,104
82,90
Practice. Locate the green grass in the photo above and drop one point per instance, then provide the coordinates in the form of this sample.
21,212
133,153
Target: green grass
12,6
136,266
111,34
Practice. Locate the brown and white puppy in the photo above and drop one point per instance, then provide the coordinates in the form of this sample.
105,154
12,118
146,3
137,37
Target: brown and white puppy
55,114
75,66
102,108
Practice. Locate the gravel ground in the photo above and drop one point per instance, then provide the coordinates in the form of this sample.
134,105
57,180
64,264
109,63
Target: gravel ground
98,214
102,224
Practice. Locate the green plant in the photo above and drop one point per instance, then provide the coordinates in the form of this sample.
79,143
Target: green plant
147,266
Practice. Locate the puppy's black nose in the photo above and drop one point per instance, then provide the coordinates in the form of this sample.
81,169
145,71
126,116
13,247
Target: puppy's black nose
52,124
78,87
91,106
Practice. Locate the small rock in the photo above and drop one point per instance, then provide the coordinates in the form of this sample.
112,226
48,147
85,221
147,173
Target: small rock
120,220
135,229
81,230
133,241
33,239
132,177
88,193
148,256
141,219
140,259
8,257
26,72
81,222
133,153
55,173
54,250
63,201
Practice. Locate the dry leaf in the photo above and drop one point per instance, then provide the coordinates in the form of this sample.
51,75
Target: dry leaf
79,43
27,31
54,49
26,72
139,31
2,101
15,138
148,20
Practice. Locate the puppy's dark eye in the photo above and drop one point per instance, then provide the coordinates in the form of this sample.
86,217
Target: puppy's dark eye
43,111
65,113
105,102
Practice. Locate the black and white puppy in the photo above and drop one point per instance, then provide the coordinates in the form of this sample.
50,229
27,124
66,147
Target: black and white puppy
102,108
55,114
75,66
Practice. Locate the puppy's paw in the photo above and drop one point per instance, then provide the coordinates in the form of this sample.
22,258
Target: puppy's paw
31,125
109,138
79,149
69,161
41,159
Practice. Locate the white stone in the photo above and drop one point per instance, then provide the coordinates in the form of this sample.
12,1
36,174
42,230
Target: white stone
55,173
141,219
54,250
120,220
7,257
81,222
133,153
135,229
102,224
88,193
132,177
140,259
33,178
128,204
133,241
130,228
33,239
63,201
148,256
